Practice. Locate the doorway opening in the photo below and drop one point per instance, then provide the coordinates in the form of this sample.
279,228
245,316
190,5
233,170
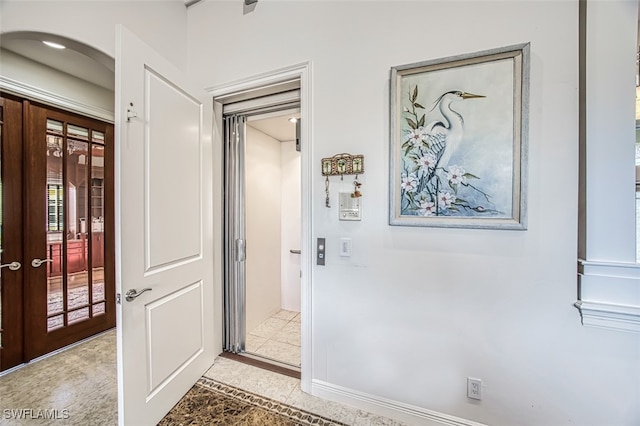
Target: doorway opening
263,227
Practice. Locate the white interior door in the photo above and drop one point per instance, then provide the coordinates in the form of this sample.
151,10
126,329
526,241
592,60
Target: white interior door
164,233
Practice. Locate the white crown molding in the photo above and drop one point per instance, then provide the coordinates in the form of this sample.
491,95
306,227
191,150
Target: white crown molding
31,92
386,407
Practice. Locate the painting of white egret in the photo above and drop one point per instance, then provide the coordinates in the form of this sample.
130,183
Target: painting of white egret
459,141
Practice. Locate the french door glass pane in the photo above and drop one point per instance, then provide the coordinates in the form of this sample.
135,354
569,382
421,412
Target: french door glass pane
97,222
55,224
77,247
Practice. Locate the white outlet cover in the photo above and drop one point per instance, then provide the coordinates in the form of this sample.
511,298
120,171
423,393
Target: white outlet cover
474,388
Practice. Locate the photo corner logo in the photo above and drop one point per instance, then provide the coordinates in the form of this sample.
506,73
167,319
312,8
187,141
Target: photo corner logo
35,414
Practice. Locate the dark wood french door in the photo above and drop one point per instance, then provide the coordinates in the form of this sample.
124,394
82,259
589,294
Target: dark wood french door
57,221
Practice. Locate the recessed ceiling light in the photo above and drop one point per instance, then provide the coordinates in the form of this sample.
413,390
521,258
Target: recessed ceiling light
293,120
54,45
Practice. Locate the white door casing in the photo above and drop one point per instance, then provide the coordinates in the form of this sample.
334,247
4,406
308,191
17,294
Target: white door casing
164,236
303,72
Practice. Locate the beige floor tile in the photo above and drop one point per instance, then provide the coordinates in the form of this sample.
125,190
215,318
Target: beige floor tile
285,315
253,379
81,379
279,351
330,409
291,337
253,343
367,419
269,327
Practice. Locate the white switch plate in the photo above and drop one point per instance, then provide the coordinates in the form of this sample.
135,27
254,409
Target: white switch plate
345,247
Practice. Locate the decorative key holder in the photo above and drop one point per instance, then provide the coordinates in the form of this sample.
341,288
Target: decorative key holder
340,165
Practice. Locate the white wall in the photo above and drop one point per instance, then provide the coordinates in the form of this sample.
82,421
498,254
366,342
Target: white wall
35,74
263,192
291,220
162,24
415,311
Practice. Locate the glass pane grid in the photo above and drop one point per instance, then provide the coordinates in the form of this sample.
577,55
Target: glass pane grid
75,208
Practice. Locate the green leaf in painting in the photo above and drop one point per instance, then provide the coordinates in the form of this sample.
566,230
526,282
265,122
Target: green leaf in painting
469,175
414,96
417,105
421,121
412,123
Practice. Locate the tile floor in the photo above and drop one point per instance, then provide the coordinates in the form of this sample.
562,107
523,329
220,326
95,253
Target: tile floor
78,383
82,382
277,337
287,390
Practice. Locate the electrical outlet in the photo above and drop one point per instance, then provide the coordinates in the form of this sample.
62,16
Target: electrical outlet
474,388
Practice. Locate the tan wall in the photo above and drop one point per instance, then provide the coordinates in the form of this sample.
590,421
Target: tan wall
263,196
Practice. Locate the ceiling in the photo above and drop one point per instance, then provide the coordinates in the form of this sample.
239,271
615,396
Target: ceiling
77,59
278,127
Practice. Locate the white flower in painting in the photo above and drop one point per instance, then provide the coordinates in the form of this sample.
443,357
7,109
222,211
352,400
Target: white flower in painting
424,133
409,183
456,175
413,137
427,161
426,208
445,199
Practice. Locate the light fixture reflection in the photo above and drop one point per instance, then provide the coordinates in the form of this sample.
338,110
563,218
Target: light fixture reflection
54,45
293,120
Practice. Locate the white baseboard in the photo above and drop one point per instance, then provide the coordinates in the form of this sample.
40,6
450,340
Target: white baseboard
385,407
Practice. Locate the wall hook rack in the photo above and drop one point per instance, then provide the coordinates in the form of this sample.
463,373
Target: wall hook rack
343,164
340,165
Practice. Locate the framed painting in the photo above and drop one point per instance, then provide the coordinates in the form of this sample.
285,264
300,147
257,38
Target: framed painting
458,146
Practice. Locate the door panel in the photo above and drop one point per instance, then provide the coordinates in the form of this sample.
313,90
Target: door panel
171,353
172,155
164,233
11,225
67,291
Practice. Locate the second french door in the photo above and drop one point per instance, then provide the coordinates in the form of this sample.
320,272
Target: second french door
65,289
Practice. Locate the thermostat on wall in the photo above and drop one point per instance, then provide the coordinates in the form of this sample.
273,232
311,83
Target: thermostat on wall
349,207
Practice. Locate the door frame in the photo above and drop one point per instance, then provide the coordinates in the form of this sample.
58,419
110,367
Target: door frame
12,287
303,72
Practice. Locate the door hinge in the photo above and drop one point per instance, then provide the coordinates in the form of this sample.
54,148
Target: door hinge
118,298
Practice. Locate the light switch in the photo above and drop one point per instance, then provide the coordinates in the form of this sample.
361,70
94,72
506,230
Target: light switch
320,250
345,247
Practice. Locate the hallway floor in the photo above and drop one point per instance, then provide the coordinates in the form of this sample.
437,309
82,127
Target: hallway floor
80,385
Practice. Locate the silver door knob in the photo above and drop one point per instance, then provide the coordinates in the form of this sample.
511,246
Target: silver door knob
13,266
37,262
131,295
